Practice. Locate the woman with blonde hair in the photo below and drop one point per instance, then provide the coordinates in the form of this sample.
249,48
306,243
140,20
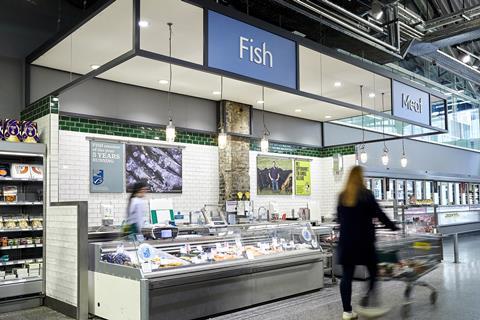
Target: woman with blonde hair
356,209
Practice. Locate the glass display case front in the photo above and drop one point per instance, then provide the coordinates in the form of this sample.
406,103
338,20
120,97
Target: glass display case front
240,242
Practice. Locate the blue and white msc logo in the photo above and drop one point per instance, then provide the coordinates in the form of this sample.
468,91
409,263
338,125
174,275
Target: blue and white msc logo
98,177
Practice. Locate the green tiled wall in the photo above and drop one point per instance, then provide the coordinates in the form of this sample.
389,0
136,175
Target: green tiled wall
39,109
304,151
132,130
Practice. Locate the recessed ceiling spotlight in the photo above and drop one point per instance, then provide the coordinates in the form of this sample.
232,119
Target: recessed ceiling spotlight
371,95
94,66
337,84
163,81
217,93
466,58
461,91
55,99
143,23
260,101
328,117
298,110
448,93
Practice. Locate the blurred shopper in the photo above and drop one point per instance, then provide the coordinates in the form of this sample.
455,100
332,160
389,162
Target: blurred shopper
356,209
137,208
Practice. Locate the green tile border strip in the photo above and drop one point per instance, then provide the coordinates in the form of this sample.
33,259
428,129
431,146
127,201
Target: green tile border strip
48,105
40,108
120,129
296,150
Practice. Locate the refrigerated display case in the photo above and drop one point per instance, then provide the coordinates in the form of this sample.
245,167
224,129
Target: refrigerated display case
186,278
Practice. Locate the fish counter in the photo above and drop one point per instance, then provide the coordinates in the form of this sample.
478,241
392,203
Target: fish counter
188,278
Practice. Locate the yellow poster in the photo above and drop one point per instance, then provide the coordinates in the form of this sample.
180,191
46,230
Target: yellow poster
303,186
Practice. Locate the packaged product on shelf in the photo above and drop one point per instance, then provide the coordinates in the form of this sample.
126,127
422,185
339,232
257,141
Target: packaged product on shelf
5,258
4,242
23,223
12,130
37,223
10,223
37,240
10,193
30,132
36,171
20,170
4,170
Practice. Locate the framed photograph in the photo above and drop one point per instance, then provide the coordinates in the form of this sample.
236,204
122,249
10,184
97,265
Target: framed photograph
159,167
274,176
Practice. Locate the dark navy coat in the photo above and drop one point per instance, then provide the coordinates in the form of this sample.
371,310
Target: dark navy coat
356,245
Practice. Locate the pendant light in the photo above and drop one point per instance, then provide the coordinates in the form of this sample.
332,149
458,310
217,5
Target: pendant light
222,136
363,152
170,132
385,157
264,142
403,160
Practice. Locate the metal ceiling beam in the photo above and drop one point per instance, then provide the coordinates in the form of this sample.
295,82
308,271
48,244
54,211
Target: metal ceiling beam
464,32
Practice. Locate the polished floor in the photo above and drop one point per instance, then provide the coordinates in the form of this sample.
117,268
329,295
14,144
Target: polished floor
458,287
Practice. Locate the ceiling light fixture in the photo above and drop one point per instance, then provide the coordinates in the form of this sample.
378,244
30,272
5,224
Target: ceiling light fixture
363,152
260,101
328,117
143,23
216,93
264,144
163,81
466,58
475,67
298,110
371,95
170,132
222,135
337,84
55,99
94,66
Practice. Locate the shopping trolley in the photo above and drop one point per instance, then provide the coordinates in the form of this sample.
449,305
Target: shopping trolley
408,260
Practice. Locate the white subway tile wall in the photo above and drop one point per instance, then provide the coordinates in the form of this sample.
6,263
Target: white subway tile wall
61,254
200,177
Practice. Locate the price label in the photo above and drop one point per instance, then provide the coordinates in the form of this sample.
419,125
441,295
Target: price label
199,248
183,250
250,255
274,242
188,247
146,267
218,246
238,243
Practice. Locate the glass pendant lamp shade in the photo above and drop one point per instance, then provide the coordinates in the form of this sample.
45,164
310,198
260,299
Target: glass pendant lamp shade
385,157
264,144
363,155
222,139
170,132
404,161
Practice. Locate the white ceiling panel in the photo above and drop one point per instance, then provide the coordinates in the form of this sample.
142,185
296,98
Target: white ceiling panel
187,29
100,40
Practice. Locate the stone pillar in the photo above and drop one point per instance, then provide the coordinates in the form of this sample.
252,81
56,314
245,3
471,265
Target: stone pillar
234,159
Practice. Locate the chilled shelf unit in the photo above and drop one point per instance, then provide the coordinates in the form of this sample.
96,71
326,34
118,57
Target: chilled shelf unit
22,210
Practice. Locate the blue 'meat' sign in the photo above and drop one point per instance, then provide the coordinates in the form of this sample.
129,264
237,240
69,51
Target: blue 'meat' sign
240,48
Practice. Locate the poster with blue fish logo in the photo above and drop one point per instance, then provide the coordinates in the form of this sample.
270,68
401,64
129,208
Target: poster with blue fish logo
107,161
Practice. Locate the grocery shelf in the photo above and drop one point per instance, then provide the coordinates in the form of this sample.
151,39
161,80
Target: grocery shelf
22,246
24,203
22,261
20,179
22,280
20,230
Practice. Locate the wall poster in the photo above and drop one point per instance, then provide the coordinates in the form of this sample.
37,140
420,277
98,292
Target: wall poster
106,166
159,167
274,176
303,183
